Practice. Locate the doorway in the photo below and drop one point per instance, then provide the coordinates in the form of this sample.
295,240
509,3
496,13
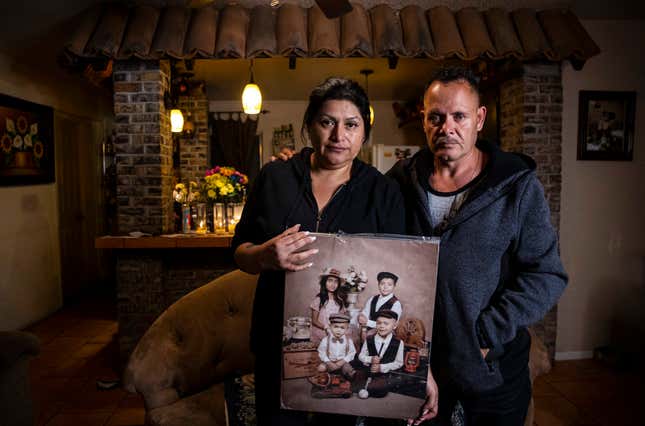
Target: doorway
81,217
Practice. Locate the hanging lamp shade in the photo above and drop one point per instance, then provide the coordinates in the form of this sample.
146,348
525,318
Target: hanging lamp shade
252,99
176,121
371,115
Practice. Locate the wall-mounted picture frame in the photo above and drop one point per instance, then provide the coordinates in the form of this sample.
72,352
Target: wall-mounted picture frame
606,125
26,142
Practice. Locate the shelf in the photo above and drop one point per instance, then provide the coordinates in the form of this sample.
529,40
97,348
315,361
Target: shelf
170,241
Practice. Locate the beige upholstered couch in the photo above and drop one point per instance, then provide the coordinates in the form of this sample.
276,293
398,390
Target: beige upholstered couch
179,364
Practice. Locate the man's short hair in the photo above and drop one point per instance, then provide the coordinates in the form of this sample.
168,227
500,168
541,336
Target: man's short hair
387,313
447,75
384,274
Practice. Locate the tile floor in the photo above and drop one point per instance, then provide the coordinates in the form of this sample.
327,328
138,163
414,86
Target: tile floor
78,348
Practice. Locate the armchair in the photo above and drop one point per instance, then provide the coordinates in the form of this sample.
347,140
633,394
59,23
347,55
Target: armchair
179,364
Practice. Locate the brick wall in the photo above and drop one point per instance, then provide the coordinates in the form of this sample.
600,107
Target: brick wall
143,147
531,123
193,150
149,281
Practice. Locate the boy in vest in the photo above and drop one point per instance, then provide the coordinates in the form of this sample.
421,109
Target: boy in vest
337,350
380,354
382,301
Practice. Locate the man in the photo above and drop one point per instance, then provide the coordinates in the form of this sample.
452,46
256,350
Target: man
499,268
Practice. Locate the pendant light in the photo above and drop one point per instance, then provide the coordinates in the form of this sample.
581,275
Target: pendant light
366,73
251,96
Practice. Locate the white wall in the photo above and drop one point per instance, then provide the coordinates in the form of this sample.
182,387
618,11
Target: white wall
281,112
30,287
603,202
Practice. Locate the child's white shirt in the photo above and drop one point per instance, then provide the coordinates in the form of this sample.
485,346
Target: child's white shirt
396,307
331,350
382,344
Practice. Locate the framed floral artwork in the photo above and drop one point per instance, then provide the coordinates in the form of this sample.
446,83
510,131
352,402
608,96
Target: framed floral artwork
26,142
606,125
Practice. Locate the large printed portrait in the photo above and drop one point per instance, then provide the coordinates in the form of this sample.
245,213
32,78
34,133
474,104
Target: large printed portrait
358,326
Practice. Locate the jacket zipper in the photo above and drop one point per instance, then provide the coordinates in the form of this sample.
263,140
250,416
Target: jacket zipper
320,213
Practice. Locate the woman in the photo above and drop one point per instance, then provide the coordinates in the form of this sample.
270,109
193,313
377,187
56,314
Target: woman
321,189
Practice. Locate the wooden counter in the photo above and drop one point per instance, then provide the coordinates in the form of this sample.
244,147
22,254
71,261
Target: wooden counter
170,241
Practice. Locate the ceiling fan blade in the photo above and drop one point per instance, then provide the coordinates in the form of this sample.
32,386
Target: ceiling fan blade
334,8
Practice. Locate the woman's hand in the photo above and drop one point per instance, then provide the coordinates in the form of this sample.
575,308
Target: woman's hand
430,407
281,251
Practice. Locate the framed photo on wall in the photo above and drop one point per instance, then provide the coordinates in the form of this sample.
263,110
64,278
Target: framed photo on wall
357,328
606,125
26,142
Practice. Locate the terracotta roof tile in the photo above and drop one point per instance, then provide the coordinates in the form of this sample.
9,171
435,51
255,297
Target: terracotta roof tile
262,41
416,33
324,34
117,31
387,35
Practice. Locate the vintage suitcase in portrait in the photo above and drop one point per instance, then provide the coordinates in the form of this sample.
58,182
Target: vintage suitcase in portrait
368,299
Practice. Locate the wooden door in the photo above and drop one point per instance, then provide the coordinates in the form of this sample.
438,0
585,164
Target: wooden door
79,207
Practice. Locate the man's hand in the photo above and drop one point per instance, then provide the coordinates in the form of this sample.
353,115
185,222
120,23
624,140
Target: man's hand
285,154
430,407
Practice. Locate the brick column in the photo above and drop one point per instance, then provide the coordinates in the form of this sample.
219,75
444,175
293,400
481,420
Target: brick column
143,147
193,149
531,123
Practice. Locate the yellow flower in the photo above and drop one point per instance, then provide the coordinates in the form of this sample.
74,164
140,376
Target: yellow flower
211,193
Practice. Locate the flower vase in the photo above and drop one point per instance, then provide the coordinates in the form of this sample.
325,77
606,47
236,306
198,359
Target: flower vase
352,309
24,160
185,218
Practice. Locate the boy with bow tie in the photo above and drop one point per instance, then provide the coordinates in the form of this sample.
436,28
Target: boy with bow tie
337,350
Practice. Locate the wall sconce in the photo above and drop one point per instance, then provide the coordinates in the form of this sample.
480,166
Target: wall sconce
251,96
176,121
367,73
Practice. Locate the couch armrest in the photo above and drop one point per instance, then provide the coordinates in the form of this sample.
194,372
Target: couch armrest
199,340
15,345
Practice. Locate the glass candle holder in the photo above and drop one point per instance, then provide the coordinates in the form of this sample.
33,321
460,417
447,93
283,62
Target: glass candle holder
235,215
200,222
220,218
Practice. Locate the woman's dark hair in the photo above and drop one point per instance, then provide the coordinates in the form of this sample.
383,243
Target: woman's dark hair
339,295
336,88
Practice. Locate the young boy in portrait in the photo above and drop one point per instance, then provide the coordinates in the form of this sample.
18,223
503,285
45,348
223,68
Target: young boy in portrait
337,349
380,354
385,300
